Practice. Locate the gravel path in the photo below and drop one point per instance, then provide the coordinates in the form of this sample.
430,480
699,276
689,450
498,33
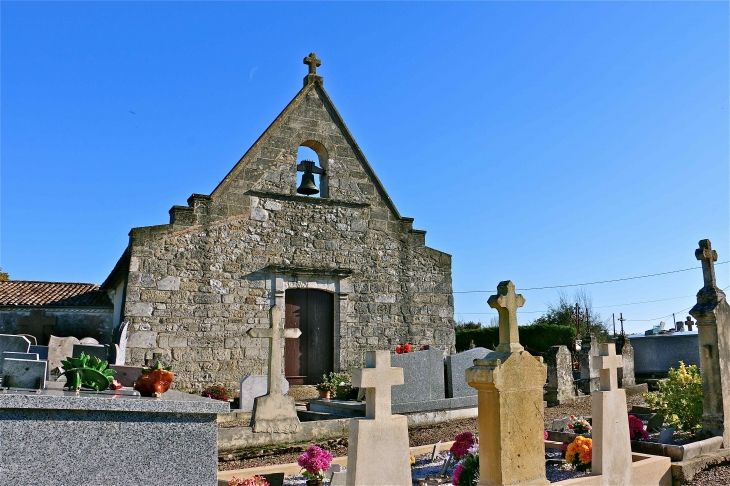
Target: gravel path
425,435
716,476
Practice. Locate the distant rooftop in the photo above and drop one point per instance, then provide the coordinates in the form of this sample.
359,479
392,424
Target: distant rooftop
52,294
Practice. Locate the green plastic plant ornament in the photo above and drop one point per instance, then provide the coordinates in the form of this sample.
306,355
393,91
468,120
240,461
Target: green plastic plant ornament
87,371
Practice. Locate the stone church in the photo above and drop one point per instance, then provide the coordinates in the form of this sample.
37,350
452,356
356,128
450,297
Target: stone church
350,272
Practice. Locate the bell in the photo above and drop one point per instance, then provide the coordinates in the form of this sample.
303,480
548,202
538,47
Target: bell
307,186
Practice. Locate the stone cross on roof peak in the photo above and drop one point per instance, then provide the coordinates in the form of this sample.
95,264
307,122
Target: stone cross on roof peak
274,334
313,62
708,257
377,377
507,302
607,363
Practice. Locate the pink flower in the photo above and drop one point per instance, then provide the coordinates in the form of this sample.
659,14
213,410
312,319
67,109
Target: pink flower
457,474
462,443
315,460
546,435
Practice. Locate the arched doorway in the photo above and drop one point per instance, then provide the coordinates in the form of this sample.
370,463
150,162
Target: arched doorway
310,356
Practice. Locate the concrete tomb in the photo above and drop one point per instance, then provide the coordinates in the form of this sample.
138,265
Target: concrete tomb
60,348
13,344
24,373
713,323
658,352
511,414
257,386
611,440
456,365
559,387
378,451
275,412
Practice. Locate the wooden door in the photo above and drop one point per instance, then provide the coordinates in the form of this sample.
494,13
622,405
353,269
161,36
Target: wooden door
310,356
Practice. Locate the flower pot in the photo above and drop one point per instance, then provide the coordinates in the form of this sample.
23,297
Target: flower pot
324,394
315,482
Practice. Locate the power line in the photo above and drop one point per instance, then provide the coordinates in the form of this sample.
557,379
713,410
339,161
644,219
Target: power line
662,317
590,283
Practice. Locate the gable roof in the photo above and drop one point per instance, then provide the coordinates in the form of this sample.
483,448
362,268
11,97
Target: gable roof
52,294
315,84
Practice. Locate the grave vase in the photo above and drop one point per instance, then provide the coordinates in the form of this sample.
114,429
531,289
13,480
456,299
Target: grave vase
315,482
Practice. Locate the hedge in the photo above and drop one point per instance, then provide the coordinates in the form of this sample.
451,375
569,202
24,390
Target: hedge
536,338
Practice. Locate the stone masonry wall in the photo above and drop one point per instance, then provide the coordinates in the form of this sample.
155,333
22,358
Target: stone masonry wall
195,286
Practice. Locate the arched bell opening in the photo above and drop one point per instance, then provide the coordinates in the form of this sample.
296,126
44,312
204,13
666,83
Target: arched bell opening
312,178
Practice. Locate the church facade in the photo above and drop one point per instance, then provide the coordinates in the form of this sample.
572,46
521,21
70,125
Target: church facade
347,268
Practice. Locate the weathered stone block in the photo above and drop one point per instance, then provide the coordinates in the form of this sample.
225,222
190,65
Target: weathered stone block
142,339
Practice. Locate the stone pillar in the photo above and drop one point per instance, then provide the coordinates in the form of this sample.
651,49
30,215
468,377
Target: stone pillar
713,325
511,414
611,441
626,373
589,380
559,376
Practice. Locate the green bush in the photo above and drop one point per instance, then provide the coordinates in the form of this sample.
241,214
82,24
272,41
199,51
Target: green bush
536,338
679,399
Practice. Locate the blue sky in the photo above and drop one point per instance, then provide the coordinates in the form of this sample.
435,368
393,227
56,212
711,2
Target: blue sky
546,143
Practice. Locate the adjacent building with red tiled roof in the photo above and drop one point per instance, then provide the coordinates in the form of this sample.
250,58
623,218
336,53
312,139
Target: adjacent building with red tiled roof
61,309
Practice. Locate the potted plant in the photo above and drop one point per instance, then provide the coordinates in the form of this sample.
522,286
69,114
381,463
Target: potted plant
466,450
88,371
580,453
314,463
217,392
325,389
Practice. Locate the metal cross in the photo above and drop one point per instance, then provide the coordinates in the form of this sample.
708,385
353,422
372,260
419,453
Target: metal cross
621,319
708,257
313,62
377,377
274,334
608,363
507,302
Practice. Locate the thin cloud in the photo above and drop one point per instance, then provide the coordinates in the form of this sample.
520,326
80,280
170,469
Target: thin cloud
250,74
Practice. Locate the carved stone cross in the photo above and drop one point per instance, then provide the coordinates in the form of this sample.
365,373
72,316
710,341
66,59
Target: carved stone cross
507,302
608,363
275,333
689,323
313,62
377,377
708,257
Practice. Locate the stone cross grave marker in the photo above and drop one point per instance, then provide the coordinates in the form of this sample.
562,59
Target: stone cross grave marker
507,302
275,412
712,314
689,323
378,444
511,414
611,441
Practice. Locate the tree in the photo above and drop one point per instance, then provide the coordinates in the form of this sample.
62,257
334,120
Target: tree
4,277
467,325
563,313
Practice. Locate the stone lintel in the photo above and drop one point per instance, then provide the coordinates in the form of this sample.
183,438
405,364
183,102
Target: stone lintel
306,199
308,271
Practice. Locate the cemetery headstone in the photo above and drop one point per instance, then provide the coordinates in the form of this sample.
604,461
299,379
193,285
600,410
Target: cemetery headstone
560,424
378,444
589,380
60,348
626,376
689,323
88,340
447,464
28,356
37,324
126,375
275,412
32,339
511,414
274,479
13,344
100,351
656,422
24,373
712,313
254,386
120,337
456,365
611,439
423,373
559,387
339,478
41,351
666,436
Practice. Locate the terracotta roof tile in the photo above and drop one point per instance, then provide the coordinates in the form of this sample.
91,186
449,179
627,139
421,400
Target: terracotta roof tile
52,294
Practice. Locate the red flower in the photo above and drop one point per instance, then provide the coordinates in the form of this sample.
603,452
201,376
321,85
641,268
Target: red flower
407,348
398,349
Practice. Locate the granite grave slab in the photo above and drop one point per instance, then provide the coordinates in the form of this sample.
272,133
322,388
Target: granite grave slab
100,351
658,353
423,372
456,365
24,373
13,344
41,351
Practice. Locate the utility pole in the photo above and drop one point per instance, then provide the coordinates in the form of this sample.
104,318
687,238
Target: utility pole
675,321
613,317
577,319
621,319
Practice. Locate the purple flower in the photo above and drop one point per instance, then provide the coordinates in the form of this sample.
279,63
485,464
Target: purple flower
315,460
457,474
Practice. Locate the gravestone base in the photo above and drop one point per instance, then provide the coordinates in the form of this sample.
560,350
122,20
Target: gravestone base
370,442
275,414
611,441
